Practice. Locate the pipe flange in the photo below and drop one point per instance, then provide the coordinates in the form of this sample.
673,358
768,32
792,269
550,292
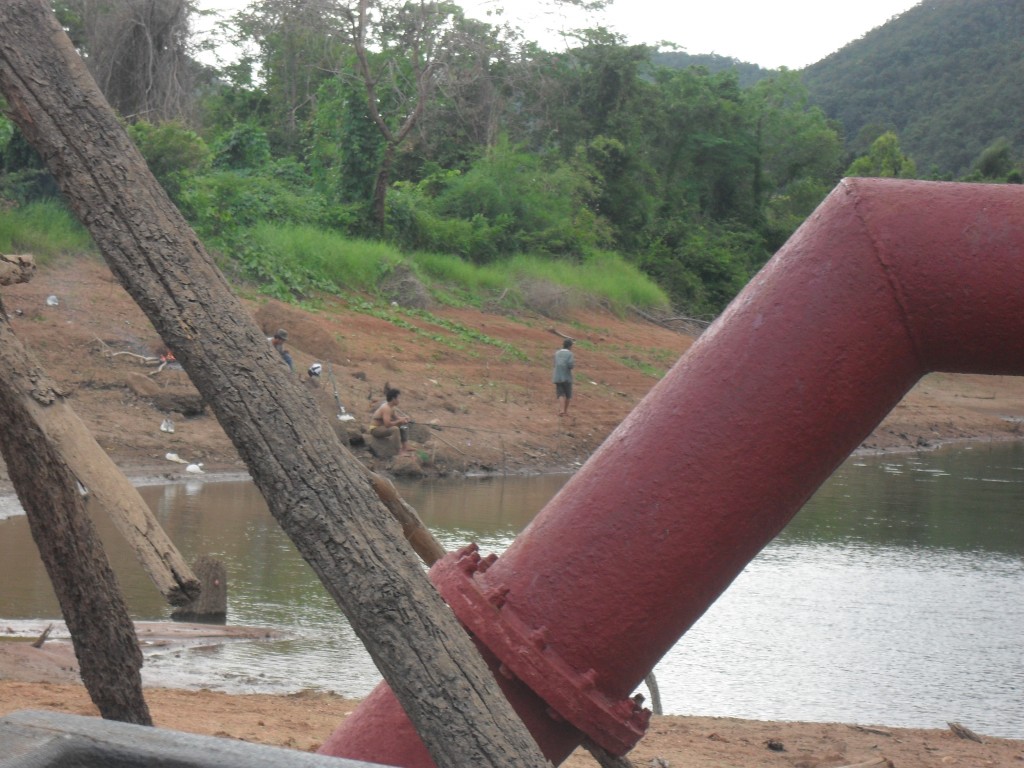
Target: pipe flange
524,652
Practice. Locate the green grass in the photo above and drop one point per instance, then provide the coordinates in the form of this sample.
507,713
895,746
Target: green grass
296,260
44,229
348,263
603,275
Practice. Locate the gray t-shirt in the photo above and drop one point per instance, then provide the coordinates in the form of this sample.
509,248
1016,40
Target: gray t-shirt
564,363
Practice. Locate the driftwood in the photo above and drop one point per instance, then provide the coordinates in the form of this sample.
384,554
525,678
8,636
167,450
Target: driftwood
964,733
877,762
652,686
310,482
16,269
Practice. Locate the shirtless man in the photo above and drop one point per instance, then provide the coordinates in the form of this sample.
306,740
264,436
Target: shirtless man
386,420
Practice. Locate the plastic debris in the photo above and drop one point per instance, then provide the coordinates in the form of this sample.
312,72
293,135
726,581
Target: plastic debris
195,469
175,458
166,425
52,301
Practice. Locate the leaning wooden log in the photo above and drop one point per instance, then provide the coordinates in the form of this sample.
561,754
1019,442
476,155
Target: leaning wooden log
416,533
53,498
38,642
108,490
606,759
964,733
652,686
310,482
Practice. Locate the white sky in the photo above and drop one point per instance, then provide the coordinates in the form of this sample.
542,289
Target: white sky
791,33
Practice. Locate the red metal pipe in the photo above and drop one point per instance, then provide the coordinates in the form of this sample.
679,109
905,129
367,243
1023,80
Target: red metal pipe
886,281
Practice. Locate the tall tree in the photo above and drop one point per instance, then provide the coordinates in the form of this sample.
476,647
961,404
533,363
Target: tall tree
297,46
796,153
401,50
138,53
884,159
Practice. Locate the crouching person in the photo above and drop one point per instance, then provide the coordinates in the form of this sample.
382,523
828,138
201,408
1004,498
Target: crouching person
387,420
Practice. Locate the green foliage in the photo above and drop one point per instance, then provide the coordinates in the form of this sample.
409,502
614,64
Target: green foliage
173,153
44,228
747,74
452,272
509,201
996,163
444,135
437,329
884,159
796,149
222,202
346,146
601,274
292,261
703,267
244,147
23,178
6,132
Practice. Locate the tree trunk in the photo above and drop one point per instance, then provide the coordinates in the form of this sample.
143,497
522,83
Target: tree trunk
310,482
102,632
380,188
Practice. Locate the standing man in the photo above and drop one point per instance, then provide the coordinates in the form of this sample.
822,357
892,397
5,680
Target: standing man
562,376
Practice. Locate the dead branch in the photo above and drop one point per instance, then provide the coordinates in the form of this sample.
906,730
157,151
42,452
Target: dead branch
38,642
604,758
560,334
18,268
875,731
108,352
690,325
964,733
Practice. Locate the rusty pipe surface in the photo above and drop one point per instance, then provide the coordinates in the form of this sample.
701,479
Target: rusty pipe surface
888,280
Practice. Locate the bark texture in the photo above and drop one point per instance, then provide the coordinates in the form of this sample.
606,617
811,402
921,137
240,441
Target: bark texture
55,502
312,485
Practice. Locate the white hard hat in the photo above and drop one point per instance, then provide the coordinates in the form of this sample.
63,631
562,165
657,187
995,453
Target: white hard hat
315,369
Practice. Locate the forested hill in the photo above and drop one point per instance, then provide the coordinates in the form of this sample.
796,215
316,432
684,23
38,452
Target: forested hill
747,74
947,76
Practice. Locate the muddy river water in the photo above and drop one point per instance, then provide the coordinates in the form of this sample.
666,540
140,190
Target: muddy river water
895,597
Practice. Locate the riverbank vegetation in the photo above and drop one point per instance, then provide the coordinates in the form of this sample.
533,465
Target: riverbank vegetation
340,152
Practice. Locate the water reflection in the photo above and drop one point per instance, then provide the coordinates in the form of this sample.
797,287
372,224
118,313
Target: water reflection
894,596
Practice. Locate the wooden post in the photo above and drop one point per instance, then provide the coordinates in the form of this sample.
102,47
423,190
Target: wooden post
211,605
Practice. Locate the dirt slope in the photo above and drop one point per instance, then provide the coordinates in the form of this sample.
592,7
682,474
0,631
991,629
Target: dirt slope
485,378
